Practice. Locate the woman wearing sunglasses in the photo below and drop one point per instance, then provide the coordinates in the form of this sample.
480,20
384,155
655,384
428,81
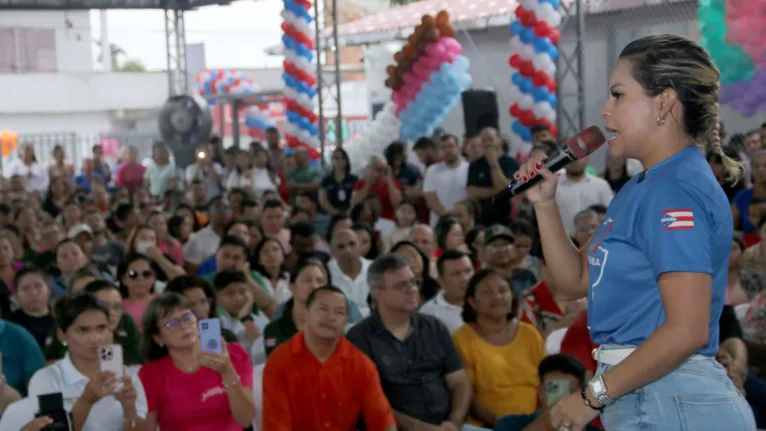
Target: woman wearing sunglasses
137,280
186,388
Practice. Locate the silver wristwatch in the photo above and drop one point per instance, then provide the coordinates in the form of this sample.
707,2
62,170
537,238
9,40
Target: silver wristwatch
598,389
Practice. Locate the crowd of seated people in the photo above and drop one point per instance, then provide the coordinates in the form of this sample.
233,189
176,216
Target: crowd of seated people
402,299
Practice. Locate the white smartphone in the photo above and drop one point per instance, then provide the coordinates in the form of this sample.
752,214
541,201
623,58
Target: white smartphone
110,357
210,335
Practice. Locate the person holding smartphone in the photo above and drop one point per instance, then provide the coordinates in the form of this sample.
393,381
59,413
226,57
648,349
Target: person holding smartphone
97,400
188,388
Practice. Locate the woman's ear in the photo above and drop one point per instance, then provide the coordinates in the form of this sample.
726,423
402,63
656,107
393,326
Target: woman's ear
61,336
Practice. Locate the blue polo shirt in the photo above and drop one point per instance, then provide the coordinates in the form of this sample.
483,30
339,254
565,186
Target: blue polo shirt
674,217
22,356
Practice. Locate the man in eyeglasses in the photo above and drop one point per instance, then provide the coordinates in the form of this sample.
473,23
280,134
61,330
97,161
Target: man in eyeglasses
420,370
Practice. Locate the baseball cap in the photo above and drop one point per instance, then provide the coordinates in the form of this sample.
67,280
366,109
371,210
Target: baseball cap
497,231
78,229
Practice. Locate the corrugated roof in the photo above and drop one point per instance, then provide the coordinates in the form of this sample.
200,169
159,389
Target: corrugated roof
409,15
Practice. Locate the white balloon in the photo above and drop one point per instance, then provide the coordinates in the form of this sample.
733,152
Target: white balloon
529,4
551,116
516,44
526,102
527,52
541,61
551,70
539,109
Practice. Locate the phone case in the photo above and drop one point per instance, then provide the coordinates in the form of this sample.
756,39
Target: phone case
210,335
110,357
555,390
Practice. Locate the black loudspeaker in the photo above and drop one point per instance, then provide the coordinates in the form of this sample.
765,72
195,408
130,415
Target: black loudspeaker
479,111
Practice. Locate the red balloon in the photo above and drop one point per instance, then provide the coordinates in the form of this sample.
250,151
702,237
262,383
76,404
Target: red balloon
314,153
515,61
528,20
526,118
552,85
554,131
520,12
542,29
526,68
540,78
515,110
554,36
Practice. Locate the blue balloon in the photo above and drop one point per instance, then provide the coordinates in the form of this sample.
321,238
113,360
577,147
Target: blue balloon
315,164
553,52
208,87
526,86
541,94
527,35
516,78
213,74
553,100
554,3
516,27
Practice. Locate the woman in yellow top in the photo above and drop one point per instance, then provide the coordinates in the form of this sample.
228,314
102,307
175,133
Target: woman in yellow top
501,354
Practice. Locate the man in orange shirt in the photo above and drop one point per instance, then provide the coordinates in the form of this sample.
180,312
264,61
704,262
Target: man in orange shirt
319,381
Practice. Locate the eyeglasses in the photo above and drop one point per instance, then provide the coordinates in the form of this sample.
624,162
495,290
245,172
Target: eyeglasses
407,286
179,321
148,273
589,228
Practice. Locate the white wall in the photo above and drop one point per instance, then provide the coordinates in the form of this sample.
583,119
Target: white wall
74,51
82,122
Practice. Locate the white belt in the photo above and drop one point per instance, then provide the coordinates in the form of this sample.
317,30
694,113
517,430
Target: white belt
615,356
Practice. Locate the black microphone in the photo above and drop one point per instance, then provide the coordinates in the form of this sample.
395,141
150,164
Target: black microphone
575,148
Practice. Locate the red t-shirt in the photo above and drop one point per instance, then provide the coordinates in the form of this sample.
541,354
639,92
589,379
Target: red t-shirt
577,342
381,189
193,401
130,175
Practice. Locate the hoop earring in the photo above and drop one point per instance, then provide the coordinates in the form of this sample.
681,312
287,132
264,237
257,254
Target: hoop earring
64,343
660,121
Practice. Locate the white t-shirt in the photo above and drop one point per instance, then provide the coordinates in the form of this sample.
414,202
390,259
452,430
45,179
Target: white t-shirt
35,175
574,197
106,414
450,185
449,314
357,289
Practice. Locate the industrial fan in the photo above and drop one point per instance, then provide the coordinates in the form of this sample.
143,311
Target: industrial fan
185,121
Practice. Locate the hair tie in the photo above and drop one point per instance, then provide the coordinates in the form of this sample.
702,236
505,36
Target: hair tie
720,152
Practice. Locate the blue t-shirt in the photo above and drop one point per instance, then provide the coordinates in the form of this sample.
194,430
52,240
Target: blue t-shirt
674,217
22,356
742,201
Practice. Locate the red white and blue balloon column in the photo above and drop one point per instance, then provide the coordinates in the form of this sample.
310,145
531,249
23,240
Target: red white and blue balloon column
300,80
534,52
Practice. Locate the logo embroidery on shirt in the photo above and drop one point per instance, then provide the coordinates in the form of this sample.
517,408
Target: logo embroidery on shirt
271,342
218,390
677,219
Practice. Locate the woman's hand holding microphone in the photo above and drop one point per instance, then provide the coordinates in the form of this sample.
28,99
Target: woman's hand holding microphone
543,192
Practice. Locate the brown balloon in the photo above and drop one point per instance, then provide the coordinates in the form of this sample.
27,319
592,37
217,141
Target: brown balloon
421,46
406,64
398,56
390,70
388,83
427,21
431,35
446,30
418,30
407,51
412,38
442,18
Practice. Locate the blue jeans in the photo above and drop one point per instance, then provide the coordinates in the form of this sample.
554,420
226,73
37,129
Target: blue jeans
696,396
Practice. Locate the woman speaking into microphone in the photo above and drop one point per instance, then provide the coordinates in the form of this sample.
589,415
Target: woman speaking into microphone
655,270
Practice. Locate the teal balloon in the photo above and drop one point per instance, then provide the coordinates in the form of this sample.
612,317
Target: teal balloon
717,4
733,63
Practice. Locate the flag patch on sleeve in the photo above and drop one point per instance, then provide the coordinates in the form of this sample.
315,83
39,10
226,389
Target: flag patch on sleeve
677,219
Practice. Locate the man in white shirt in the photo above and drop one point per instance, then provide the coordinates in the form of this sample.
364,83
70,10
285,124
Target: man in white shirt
455,270
578,190
445,182
207,171
204,243
348,269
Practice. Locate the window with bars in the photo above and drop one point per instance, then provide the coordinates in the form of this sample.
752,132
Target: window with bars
27,50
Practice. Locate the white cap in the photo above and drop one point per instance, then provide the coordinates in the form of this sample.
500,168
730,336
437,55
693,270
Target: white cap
78,229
